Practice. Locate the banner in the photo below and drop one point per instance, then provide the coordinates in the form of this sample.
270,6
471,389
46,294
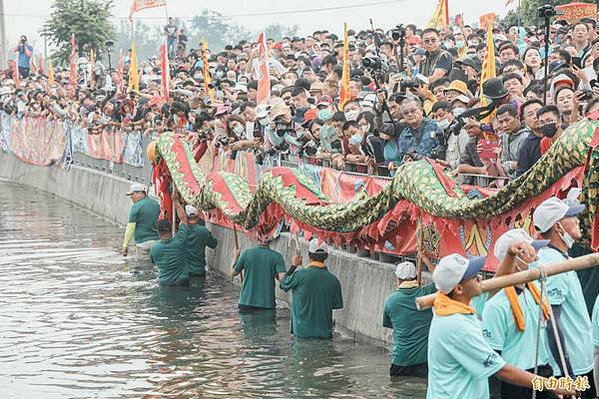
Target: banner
44,142
133,72
574,11
165,74
440,18
345,95
37,141
138,5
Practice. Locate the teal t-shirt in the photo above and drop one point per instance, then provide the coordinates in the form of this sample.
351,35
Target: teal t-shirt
595,321
145,213
260,266
198,239
460,361
501,333
410,325
564,289
169,257
316,292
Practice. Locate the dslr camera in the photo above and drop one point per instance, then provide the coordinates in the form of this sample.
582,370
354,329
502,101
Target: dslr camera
546,11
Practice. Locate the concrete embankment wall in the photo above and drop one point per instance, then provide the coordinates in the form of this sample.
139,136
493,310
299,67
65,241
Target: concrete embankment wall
365,283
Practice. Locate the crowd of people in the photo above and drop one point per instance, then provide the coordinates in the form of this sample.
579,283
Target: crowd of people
413,94
399,108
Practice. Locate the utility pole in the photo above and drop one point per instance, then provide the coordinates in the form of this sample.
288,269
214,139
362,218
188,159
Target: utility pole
3,53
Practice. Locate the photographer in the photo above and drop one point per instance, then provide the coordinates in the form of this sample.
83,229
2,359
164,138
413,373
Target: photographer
438,62
451,146
25,53
419,138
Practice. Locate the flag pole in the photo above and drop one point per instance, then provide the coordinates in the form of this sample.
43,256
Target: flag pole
519,17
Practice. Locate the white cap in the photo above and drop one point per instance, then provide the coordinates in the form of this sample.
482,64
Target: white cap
553,210
136,187
405,270
461,98
262,111
191,210
454,268
316,247
515,236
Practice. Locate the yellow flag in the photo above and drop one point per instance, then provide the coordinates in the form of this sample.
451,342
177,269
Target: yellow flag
440,17
207,77
50,73
133,73
345,95
488,69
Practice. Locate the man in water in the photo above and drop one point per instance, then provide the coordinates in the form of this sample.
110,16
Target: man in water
169,254
410,325
459,359
261,265
316,293
198,239
143,218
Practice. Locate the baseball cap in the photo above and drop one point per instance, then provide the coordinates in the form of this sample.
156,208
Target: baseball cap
512,237
315,247
553,210
455,268
405,270
191,210
136,187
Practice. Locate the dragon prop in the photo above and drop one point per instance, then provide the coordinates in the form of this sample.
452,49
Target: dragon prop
420,191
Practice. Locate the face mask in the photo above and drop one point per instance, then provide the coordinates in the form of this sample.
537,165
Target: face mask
458,111
219,74
367,127
147,70
567,239
325,114
264,121
352,115
549,130
443,124
197,77
460,44
238,130
448,45
356,139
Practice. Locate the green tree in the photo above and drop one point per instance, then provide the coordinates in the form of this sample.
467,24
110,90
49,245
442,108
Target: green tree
278,31
88,20
529,9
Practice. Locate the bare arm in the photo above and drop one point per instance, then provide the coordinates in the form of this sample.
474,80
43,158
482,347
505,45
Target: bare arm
178,207
516,376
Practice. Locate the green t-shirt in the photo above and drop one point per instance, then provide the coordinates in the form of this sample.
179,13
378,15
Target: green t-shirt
595,322
260,266
198,239
169,257
145,213
459,359
501,333
410,325
564,289
316,292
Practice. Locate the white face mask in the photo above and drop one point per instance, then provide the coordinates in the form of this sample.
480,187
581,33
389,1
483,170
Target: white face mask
264,121
458,111
566,238
352,115
238,130
443,124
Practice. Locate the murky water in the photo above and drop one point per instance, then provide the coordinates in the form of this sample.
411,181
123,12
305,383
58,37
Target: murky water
79,321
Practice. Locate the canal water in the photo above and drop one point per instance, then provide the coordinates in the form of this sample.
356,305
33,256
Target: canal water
77,320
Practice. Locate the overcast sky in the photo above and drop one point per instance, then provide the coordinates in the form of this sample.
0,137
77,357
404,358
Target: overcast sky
27,16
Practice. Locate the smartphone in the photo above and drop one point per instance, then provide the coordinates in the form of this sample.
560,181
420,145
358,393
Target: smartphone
488,148
577,61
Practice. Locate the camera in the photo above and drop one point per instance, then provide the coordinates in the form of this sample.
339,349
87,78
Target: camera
399,33
546,11
374,63
310,148
410,84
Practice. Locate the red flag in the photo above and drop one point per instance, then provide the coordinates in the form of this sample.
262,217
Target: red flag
138,5
263,72
165,74
119,74
40,66
15,73
33,65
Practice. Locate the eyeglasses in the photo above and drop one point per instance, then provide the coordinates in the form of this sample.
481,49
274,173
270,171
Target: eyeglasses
430,41
410,111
